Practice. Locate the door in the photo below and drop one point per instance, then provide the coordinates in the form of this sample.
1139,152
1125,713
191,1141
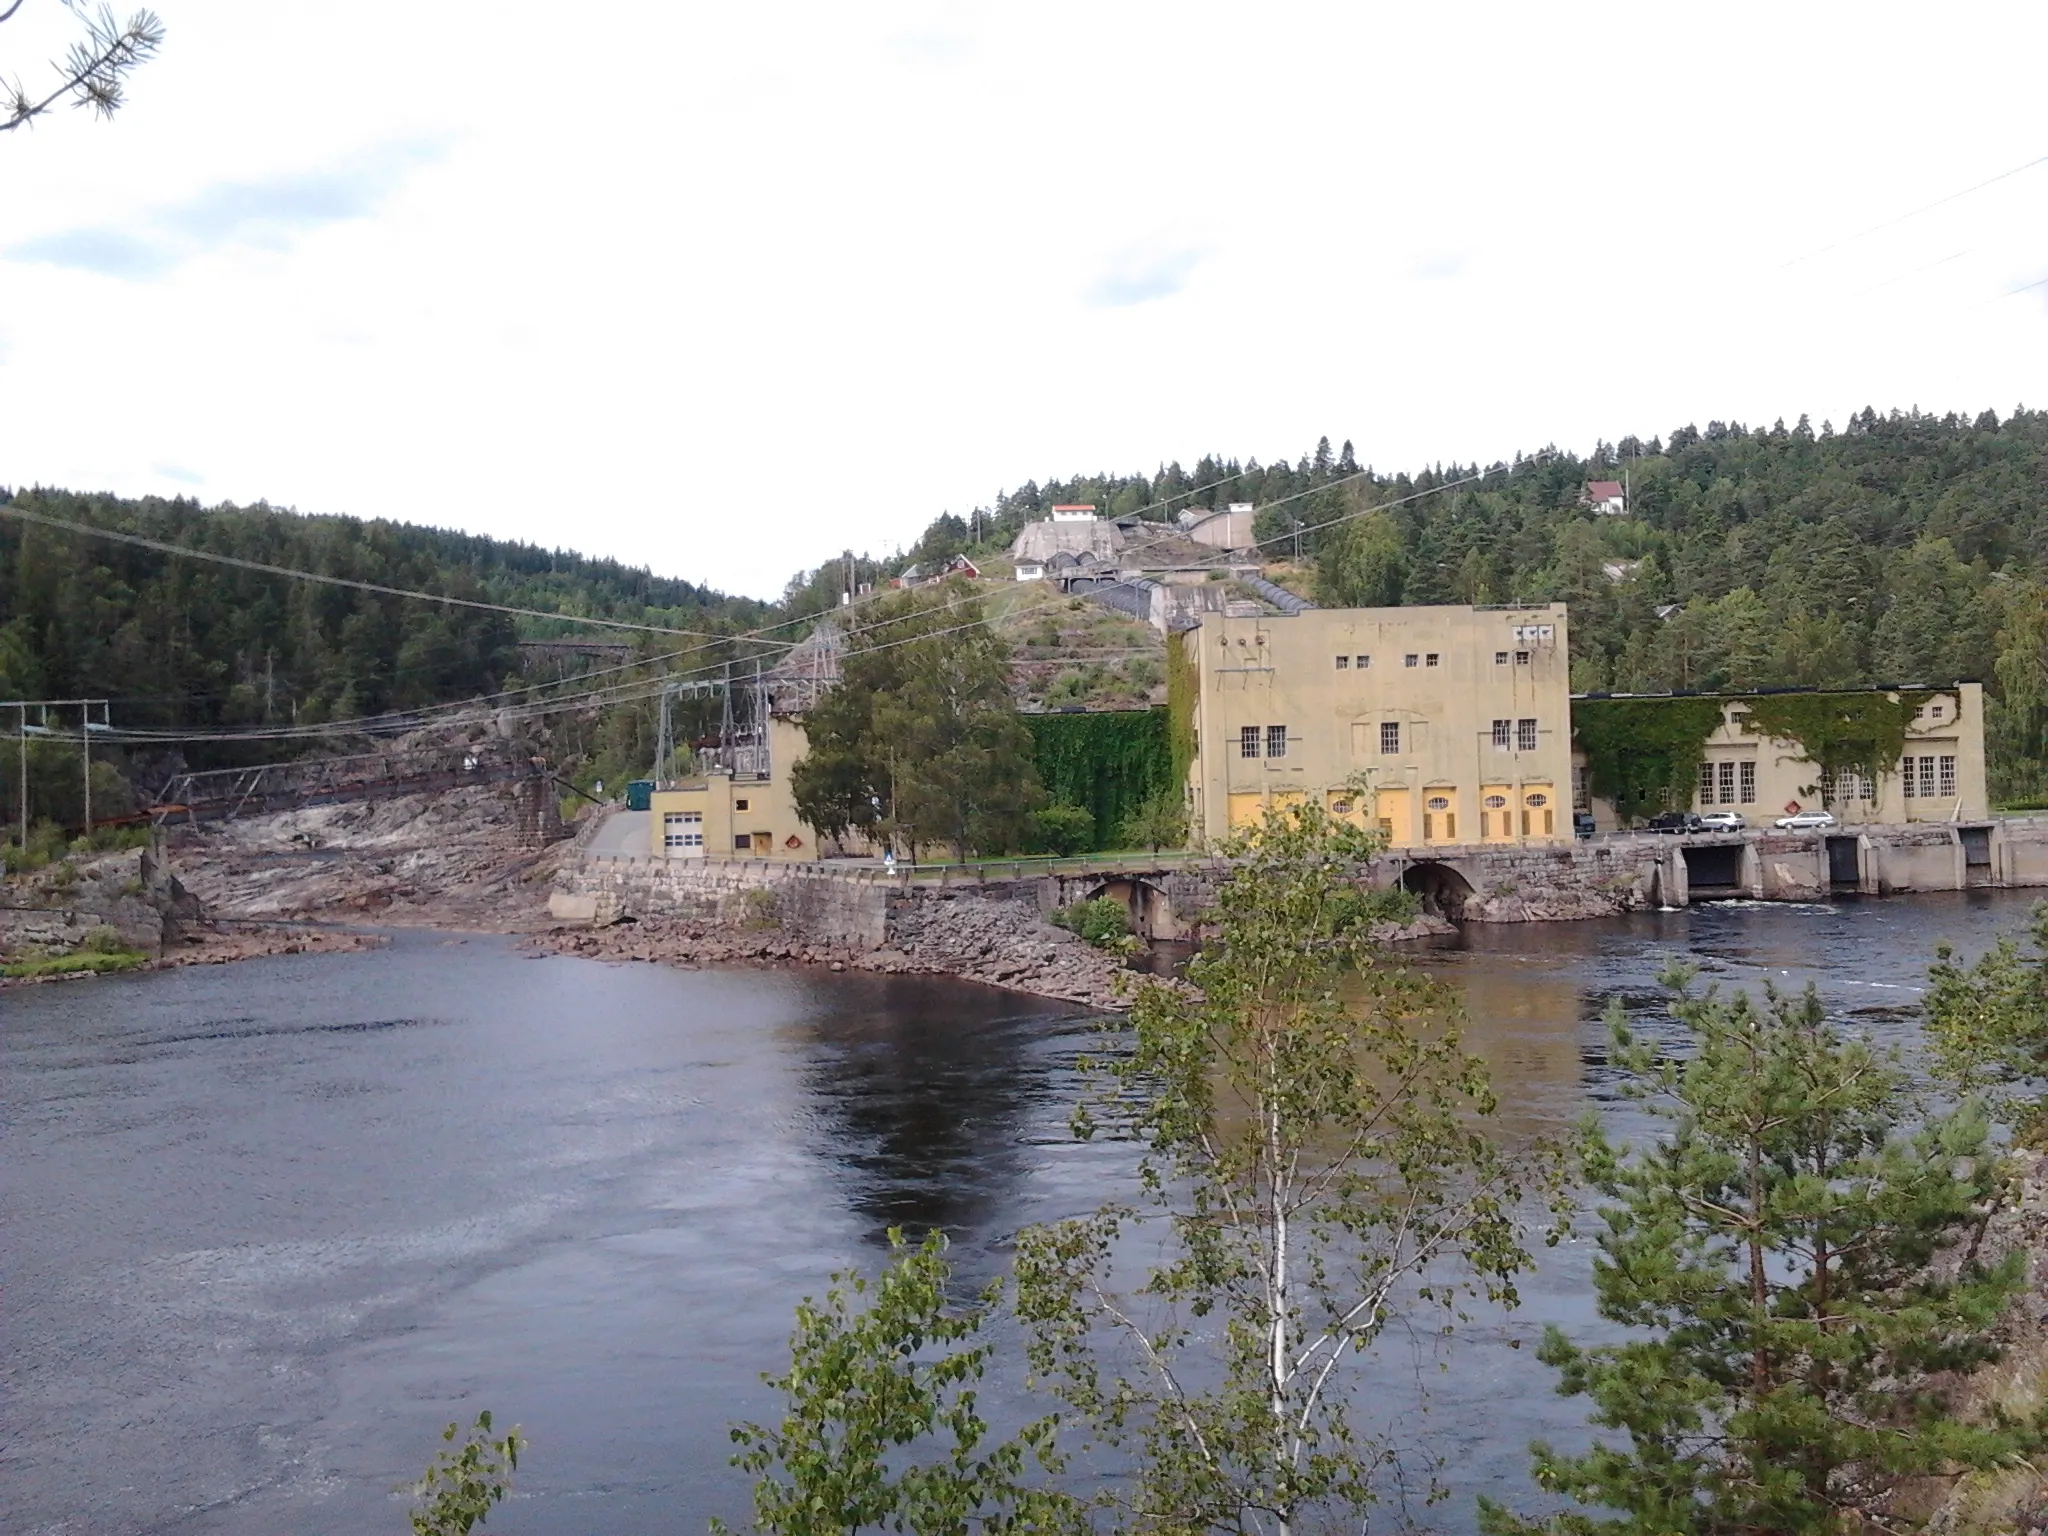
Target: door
1496,814
1390,809
1439,816
1246,809
682,834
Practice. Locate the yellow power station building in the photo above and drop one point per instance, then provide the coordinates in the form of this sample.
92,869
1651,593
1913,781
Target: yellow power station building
1456,719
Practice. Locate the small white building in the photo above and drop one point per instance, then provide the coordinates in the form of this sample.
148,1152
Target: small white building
1074,514
1607,497
1031,570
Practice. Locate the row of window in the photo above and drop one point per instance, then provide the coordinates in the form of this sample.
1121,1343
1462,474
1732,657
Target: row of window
1361,661
1274,738
1271,740
1734,783
1729,783
1928,777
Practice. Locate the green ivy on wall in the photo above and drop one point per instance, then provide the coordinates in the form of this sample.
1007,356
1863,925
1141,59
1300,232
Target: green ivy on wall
1109,762
1641,753
1182,681
1862,732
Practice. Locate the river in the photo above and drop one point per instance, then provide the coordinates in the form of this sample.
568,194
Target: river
267,1227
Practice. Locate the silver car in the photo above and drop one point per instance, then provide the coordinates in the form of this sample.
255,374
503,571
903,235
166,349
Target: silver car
1722,821
1805,821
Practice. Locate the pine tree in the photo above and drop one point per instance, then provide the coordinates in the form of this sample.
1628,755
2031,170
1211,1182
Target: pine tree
1792,1336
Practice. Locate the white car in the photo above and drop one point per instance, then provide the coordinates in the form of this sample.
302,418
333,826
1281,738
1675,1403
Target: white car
1722,821
1805,821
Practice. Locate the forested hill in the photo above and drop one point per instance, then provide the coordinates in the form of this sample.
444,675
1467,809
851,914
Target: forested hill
1898,548
180,642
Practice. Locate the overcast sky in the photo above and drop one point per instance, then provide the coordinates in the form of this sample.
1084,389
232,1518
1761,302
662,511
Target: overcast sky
722,289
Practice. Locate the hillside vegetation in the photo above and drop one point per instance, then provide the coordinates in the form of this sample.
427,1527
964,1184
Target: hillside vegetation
1899,548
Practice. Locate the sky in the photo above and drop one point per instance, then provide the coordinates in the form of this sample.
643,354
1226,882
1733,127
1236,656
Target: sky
725,289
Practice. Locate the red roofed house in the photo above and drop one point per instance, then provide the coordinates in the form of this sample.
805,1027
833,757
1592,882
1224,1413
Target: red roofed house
1605,497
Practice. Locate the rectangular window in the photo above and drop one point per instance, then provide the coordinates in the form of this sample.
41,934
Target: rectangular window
1935,711
1276,741
1580,801
1948,778
739,805
1907,766
1521,658
1503,734
1748,783
1525,735
1727,772
1927,790
1706,792
1500,658
1364,662
1430,660
1410,659
743,843
1343,662
1525,821
1390,736
1248,741
1450,826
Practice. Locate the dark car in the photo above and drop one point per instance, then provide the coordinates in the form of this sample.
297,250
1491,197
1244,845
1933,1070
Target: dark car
1582,824
1673,821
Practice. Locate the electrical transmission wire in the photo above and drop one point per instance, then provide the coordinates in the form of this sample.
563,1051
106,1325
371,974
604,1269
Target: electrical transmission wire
1914,213
139,541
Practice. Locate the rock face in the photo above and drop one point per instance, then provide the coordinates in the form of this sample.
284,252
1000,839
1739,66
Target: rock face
455,858
58,909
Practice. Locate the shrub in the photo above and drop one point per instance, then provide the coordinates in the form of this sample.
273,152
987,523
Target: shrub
1064,829
1103,922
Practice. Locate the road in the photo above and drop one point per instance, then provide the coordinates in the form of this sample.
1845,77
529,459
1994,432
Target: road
623,836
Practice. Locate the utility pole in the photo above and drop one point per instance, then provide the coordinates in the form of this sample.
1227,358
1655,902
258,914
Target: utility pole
85,707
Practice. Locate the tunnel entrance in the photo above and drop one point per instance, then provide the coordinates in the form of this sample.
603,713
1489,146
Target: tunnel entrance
1713,868
1844,862
1443,890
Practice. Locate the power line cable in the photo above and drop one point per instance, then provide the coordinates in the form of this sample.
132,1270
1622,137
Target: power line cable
89,531
1914,213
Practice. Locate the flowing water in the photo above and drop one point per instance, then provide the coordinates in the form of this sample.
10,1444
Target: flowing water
268,1227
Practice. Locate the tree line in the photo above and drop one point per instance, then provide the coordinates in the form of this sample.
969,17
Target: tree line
1899,548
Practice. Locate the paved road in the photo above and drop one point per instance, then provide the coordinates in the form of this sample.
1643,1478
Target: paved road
623,836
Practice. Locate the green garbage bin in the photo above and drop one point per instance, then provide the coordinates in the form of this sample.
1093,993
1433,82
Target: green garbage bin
639,794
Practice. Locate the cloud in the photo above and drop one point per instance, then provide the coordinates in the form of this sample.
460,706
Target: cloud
266,214
108,252
1435,266
1141,278
179,473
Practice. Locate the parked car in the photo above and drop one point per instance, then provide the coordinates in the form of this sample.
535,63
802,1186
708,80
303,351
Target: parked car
1805,821
1673,821
1722,821
1582,824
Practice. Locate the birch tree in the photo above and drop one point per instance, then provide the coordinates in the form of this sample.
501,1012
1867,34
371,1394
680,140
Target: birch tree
1315,1171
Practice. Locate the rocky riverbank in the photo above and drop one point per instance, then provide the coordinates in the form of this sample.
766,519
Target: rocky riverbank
973,938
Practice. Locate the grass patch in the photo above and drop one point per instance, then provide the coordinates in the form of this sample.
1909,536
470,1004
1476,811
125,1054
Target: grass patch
98,963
